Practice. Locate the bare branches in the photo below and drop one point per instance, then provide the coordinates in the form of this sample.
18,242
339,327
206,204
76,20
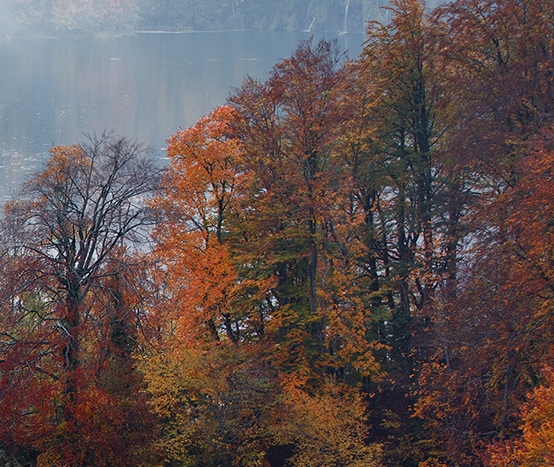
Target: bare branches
89,200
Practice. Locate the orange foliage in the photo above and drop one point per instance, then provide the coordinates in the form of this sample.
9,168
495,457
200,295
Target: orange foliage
493,339
202,188
536,445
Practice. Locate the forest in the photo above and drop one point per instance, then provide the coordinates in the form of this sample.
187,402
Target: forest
349,264
55,17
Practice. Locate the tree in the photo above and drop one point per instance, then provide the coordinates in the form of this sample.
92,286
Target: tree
214,403
205,182
227,405
409,197
325,428
74,222
491,335
290,218
499,66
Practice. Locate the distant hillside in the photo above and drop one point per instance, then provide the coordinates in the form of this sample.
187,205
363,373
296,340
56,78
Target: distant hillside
181,15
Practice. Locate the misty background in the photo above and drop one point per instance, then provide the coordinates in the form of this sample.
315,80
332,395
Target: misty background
143,68
85,16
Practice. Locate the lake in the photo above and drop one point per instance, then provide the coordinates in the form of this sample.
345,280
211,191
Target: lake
145,86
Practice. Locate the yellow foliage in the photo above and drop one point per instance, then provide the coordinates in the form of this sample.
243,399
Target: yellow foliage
536,447
327,427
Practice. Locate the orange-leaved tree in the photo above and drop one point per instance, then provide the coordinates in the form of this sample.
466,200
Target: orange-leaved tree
493,339
536,445
203,186
490,334
294,218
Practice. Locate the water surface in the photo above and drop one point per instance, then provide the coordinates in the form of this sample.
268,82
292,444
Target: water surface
145,86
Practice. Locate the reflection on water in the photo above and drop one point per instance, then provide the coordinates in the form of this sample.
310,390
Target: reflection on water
14,168
144,86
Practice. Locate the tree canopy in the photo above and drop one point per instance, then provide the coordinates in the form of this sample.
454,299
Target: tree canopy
347,264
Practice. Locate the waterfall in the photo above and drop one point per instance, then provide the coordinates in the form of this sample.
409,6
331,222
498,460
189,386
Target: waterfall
311,24
345,29
308,19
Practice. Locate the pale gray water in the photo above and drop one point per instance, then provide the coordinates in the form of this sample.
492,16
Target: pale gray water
145,86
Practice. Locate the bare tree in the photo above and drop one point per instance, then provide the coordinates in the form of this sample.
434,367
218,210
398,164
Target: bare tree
67,230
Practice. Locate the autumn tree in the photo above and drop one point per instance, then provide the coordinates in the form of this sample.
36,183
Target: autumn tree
536,445
25,363
488,343
214,404
212,397
227,405
409,197
203,186
327,427
68,233
294,227
494,339
292,220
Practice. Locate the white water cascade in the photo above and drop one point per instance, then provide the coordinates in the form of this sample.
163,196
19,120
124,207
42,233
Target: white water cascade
309,16
345,29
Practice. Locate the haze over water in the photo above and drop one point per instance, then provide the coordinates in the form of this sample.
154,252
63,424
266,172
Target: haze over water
145,86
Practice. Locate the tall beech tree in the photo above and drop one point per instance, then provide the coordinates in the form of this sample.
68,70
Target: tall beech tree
292,221
490,337
409,196
494,339
204,184
73,223
397,64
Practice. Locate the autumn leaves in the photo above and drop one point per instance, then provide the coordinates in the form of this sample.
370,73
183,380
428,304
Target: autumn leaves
379,226
247,223
348,265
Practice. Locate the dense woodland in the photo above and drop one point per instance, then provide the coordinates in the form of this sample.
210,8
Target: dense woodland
86,16
350,264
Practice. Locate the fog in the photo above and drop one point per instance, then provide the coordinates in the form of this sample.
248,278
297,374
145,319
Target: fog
77,16
145,86
144,69
8,21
